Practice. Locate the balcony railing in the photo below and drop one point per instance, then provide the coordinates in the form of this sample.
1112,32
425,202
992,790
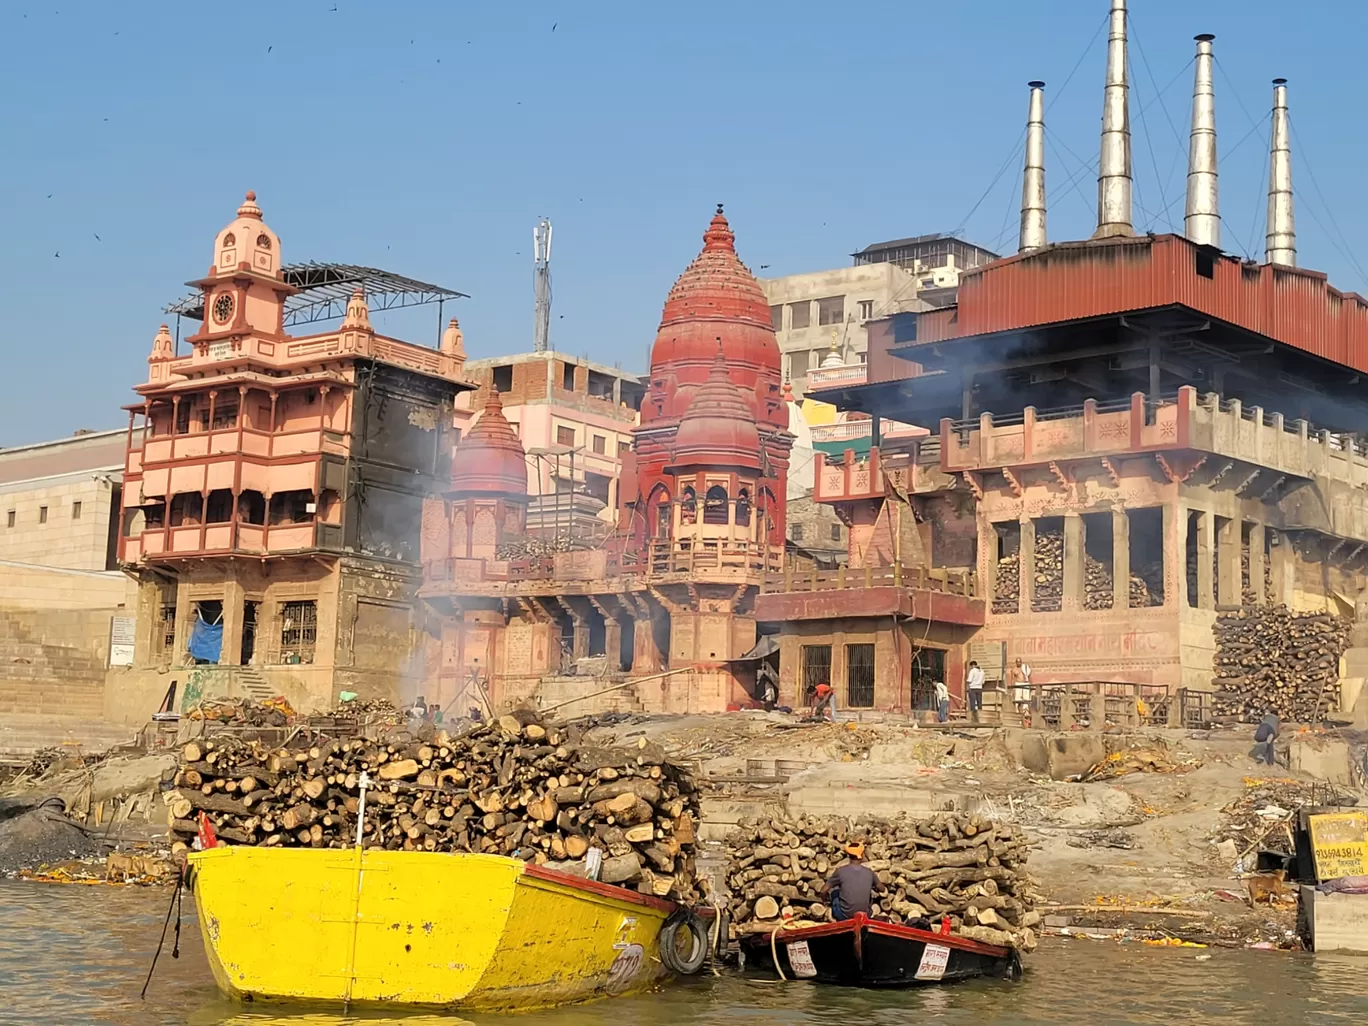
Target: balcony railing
949,580
848,374
231,537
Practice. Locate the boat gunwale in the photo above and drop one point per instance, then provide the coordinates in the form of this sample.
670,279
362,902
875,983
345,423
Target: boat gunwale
598,888
860,922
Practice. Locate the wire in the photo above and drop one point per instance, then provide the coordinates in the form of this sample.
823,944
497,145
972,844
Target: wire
1106,19
1306,162
1159,98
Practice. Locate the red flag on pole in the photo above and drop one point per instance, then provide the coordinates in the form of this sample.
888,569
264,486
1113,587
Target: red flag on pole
207,838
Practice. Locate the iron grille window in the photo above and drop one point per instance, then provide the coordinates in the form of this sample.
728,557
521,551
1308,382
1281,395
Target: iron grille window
860,676
565,435
796,533
816,668
167,632
298,631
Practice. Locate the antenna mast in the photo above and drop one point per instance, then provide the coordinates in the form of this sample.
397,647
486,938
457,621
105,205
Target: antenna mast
541,278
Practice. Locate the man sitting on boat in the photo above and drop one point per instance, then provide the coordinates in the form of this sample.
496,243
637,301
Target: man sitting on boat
853,886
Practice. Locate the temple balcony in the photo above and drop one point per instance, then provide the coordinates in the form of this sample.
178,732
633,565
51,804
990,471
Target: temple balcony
232,538
944,594
911,466
827,377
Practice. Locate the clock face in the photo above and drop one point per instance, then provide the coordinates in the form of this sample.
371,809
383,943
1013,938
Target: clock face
223,308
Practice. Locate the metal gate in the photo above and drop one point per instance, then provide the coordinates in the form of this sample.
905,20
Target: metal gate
859,676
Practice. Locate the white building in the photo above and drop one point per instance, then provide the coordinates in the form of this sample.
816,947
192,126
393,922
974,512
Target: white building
815,312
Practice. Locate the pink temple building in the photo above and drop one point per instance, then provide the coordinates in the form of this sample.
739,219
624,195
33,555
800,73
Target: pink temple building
274,482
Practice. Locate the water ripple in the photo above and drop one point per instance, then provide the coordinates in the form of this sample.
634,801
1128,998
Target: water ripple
72,956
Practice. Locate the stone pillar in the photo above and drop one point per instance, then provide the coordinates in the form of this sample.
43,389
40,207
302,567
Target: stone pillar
1026,560
1228,563
988,560
1206,564
1074,547
1175,554
1120,559
233,596
1256,564
646,655
1284,559
612,644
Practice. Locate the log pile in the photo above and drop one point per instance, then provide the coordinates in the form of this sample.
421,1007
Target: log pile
1007,590
1147,585
1097,583
519,787
964,867
1048,593
1271,660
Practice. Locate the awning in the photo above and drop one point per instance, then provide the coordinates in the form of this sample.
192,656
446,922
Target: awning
767,645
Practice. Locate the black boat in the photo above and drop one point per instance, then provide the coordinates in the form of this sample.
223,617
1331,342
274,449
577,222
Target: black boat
863,952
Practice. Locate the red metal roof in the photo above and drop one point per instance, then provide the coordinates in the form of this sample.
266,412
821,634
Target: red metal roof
1079,280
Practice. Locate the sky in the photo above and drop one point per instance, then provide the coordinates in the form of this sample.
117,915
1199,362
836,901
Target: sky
428,138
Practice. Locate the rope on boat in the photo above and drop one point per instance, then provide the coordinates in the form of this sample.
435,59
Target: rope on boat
774,951
175,947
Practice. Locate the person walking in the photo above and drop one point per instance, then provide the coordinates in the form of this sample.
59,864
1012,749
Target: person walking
942,701
973,688
1021,690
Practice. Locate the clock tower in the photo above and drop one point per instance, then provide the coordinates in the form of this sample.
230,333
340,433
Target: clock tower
244,291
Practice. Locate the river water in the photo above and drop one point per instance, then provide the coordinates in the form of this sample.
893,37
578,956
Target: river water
73,955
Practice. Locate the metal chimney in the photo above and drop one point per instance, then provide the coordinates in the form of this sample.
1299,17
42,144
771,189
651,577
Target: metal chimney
1033,176
1114,167
1280,245
1202,216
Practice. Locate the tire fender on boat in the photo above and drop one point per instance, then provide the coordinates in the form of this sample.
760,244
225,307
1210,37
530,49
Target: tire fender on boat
686,959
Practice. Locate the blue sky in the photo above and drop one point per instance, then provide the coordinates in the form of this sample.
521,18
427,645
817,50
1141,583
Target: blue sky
428,138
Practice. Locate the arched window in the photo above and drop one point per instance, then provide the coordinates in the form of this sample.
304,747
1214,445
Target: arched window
263,241
743,508
230,239
688,507
715,505
658,513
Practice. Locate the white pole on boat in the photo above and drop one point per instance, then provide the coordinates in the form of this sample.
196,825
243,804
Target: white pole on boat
363,784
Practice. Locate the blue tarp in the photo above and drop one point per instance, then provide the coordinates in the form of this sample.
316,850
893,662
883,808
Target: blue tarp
206,641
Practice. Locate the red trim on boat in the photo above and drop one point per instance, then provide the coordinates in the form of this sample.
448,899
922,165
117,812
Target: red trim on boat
603,890
860,921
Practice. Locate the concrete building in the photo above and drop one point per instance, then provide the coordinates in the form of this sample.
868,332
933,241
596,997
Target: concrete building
823,312
60,501
64,605
574,419
274,484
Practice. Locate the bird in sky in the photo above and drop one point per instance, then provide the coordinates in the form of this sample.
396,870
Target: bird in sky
97,238
269,49
58,253
553,25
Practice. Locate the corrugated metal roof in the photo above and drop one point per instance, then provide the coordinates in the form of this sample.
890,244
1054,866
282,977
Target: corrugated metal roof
1079,280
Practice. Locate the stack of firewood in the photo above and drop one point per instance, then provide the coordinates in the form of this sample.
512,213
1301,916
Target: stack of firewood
1097,583
518,787
1048,596
967,868
1147,585
1271,660
1007,590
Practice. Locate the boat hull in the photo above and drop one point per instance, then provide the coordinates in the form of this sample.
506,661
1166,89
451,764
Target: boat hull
861,952
461,931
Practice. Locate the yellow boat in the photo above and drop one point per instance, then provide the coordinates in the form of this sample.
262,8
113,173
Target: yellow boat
460,931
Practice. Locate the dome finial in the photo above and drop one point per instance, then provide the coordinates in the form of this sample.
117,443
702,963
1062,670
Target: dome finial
719,234
358,312
249,206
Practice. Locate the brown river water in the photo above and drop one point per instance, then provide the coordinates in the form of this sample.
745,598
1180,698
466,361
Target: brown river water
71,956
